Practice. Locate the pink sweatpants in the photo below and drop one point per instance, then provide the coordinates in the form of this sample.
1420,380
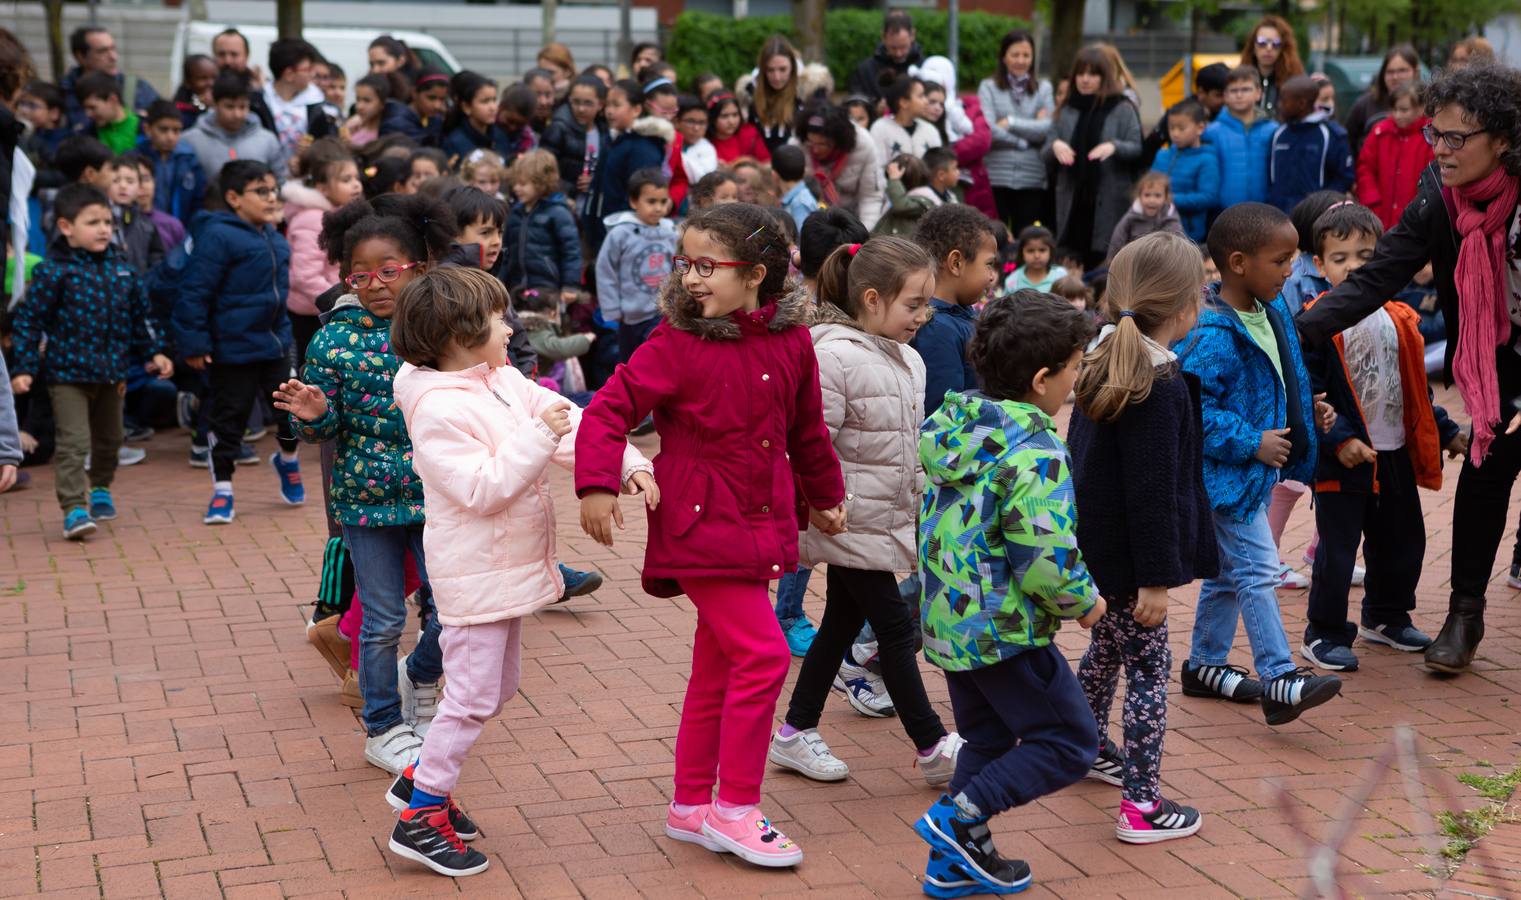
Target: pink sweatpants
481,670
1286,496
739,661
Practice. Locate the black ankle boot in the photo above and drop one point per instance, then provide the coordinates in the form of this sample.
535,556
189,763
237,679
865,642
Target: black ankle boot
1454,647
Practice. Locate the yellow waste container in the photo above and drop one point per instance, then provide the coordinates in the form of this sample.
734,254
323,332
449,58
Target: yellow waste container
1179,80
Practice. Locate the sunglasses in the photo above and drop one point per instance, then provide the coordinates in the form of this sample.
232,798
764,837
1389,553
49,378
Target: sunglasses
385,275
1270,42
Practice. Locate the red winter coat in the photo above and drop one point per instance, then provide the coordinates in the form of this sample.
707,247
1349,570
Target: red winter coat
733,399
970,153
1389,168
747,141
678,169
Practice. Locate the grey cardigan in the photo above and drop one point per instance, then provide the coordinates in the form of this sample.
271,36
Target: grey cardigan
1122,127
1015,162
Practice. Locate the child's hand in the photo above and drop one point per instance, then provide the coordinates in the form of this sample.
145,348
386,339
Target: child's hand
1063,153
1094,614
1458,446
28,443
198,362
1355,453
591,336
1274,449
557,417
1151,606
7,477
304,401
20,384
894,171
162,365
1325,414
643,483
569,296
828,521
1101,152
599,512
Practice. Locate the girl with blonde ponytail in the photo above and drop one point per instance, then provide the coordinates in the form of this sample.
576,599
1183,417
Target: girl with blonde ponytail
1144,523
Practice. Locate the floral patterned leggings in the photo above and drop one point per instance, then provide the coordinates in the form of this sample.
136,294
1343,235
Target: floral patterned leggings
1119,640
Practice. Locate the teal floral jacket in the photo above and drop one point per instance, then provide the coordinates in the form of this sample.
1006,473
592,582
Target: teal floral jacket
351,362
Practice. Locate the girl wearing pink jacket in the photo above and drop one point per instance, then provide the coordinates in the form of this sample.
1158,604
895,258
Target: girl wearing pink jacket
329,181
482,436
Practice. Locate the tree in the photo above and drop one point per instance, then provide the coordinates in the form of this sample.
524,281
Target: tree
288,18
1066,35
808,16
54,10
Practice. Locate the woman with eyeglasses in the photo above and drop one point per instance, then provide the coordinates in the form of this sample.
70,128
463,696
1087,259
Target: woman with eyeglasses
1401,66
1272,50
1462,222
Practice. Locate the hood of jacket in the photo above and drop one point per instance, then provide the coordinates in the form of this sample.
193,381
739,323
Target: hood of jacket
413,383
299,195
1170,214
655,128
975,433
207,124
828,323
631,219
277,104
682,312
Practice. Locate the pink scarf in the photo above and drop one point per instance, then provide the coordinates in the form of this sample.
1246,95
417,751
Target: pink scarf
1482,283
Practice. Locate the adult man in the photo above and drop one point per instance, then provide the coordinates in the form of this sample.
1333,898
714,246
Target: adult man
94,50
296,105
898,51
231,50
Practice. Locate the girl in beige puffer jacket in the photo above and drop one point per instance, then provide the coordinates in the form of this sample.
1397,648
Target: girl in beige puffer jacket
873,298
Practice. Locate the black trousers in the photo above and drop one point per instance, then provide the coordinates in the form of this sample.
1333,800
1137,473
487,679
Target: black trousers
1480,509
1392,531
233,389
302,329
852,597
1020,208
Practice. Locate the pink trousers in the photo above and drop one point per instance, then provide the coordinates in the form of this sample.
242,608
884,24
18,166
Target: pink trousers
1286,496
481,669
739,661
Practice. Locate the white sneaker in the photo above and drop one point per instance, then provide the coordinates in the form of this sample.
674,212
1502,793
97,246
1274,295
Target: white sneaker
1290,580
941,765
807,754
393,749
1359,574
865,691
419,702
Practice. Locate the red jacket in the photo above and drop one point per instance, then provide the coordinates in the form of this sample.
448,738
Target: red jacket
1389,168
679,184
970,152
738,407
747,141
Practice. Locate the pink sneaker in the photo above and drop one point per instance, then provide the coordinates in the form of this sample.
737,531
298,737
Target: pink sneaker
752,839
689,828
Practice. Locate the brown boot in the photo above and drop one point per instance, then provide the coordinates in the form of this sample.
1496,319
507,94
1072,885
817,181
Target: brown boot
323,634
349,694
1454,647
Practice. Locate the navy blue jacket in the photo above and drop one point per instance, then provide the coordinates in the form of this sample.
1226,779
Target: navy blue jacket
401,118
566,139
465,140
93,309
231,301
1308,156
179,182
541,247
641,147
942,344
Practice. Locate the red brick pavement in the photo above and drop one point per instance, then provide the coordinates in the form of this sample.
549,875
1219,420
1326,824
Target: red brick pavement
169,732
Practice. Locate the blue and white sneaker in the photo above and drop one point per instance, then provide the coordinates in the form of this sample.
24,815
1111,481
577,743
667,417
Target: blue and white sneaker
220,511
186,407
968,844
578,583
1322,654
865,691
101,507
799,633
1401,637
77,524
292,491
944,876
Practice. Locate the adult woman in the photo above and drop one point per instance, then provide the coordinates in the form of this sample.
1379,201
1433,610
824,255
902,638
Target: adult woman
387,54
1271,49
962,128
1018,108
1095,141
556,58
775,103
1473,50
1401,66
1459,222
844,160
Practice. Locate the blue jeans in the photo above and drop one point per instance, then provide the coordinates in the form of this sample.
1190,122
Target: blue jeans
379,555
1247,588
789,594
632,337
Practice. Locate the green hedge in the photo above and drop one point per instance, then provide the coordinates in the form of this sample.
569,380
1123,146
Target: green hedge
702,42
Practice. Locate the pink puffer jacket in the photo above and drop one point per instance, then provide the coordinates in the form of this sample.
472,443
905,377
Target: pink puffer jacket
482,451
310,272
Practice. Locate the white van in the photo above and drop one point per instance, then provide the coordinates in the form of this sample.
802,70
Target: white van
348,47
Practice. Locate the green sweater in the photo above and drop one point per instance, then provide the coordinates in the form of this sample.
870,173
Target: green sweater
120,136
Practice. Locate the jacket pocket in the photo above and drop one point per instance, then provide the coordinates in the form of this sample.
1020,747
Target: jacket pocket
692,505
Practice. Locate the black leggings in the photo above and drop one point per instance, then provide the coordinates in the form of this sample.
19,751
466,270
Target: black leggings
853,596
1481,506
1021,208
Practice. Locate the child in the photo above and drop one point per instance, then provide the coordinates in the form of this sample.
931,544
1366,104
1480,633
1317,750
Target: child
1309,152
171,231
1034,249
345,396
471,122
95,316
731,136
635,260
1193,170
388,175
484,170
903,129
698,155
641,143
110,122
944,174
873,298
994,599
960,240
732,380
230,321
335,88
1325,95
541,237
370,96
1387,441
481,218
1394,155
861,112
539,313
133,235
578,137
1140,533
908,194
41,105
230,132
180,183
484,435
1259,429
1151,210
1306,282
662,102
329,181
721,186
423,166
791,169
1241,136
515,117
422,119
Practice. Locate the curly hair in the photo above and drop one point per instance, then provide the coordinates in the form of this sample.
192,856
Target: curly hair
954,226
833,122
750,233
1487,94
538,168
421,226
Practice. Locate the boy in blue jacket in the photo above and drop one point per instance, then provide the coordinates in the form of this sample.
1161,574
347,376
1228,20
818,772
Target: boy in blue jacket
1258,428
960,239
1240,136
1193,169
179,181
1309,152
230,322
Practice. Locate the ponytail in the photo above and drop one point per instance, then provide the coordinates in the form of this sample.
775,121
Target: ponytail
882,263
462,90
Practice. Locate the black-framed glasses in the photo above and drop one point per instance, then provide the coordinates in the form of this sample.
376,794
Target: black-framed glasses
681,265
1453,139
264,191
385,275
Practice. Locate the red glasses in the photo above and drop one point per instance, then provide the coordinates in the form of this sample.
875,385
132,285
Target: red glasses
681,265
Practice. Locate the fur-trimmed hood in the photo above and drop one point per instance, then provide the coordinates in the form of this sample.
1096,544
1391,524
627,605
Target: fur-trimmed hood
683,313
301,196
655,127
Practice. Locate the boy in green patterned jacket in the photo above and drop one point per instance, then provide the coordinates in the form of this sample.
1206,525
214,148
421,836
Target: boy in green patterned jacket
1001,569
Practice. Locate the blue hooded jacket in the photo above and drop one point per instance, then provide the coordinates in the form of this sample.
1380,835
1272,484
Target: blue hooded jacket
179,182
401,118
1243,155
541,247
231,301
1242,396
1195,176
1308,156
942,344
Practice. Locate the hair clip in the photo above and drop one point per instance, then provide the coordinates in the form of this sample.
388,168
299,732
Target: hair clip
816,122
853,249
1339,204
752,234
370,171
530,293
718,98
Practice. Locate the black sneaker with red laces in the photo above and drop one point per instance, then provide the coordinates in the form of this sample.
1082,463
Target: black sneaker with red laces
400,797
425,836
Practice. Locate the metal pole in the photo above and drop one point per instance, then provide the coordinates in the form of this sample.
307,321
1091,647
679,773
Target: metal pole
551,9
953,31
625,32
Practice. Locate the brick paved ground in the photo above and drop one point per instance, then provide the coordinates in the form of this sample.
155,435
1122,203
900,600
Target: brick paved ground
168,731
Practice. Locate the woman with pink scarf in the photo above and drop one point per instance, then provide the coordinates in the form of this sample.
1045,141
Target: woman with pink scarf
1464,221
